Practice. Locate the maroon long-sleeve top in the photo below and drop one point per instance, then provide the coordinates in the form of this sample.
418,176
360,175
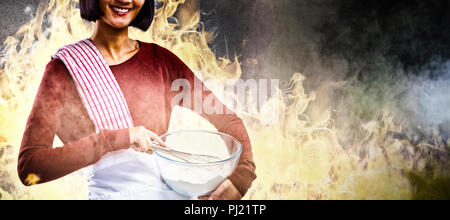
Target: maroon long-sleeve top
145,81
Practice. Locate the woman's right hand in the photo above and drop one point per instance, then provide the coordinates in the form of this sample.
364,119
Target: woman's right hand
141,139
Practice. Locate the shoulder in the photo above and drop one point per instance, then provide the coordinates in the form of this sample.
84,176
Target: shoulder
56,66
56,70
168,60
159,52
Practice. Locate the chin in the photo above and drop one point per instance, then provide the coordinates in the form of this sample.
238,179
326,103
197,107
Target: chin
119,25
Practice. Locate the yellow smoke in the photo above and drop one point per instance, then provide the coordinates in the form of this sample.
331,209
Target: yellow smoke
296,158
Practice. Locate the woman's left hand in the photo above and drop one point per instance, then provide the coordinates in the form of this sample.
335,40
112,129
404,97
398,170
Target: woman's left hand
226,191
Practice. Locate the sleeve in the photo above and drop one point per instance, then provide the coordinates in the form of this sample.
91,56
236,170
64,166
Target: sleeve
37,156
228,122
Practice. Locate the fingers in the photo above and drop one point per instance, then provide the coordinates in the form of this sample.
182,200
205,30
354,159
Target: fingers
148,145
219,193
203,197
226,191
155,137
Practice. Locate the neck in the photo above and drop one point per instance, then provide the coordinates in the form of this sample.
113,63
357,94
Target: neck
111,41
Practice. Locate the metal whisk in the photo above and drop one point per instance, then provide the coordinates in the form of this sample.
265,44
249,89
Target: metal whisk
186,157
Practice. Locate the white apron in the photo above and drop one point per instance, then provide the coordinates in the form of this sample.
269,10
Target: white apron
124,174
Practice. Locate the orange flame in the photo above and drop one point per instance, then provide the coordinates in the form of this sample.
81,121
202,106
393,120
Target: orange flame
32,179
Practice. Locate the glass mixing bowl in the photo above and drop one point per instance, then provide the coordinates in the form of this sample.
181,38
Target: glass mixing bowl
198,179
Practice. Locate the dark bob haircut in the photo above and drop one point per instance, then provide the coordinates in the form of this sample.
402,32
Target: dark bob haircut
90,10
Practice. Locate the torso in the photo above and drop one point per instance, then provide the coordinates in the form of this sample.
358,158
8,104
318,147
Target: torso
143,84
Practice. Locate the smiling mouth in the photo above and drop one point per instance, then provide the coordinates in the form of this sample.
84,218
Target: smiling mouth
120,11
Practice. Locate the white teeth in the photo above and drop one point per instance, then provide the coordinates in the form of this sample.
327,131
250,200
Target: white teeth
120,10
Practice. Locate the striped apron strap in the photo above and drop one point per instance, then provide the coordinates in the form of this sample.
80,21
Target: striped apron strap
96,86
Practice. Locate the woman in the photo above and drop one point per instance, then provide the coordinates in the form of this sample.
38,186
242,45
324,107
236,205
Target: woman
140,75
